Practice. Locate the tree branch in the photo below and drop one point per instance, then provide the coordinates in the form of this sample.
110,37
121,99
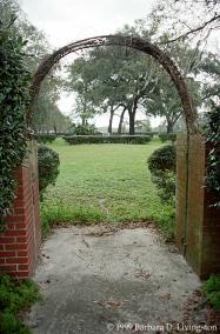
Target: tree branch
195,30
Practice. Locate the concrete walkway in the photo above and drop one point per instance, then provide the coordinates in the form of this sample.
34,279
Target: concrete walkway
96,282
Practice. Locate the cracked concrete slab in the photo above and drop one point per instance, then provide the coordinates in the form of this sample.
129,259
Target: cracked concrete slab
93,282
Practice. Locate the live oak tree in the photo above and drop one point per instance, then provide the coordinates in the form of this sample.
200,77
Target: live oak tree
165,102
210,67
78,82
194,20
123,80
92,78
113,78
36,46
46,114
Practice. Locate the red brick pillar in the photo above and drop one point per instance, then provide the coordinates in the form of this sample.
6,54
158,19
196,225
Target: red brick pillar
198,223
20,242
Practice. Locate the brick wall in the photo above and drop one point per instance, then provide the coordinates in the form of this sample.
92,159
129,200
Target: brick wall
181,170
20,242
198,224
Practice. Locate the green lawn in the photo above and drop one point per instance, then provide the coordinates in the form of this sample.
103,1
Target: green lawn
105,182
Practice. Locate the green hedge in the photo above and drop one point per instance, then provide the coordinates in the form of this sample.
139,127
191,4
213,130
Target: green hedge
75,140
167,137
14,103
45,138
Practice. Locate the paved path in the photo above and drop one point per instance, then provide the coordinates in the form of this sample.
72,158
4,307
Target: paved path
95,282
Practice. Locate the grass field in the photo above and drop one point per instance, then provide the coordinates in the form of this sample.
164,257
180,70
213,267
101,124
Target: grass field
104,183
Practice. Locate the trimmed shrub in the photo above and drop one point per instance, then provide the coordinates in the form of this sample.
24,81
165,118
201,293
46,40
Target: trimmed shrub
115,139
88,129
45,138
162,160
48,165
162,165
167,137
166,185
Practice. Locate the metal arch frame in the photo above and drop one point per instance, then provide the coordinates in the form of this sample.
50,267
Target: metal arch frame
189,111
127,41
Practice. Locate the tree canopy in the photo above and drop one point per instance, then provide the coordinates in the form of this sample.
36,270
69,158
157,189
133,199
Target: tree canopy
111,79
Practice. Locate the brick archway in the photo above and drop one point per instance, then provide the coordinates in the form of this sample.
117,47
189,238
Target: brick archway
127,41
196,221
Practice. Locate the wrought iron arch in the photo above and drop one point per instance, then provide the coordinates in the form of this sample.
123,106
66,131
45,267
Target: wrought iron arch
131,42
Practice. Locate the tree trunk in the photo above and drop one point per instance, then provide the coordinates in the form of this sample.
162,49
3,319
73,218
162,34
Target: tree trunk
121,121
169,126
110,121
83,121
131,123
132,114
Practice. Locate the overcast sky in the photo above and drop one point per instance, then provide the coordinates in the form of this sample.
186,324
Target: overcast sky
65,21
